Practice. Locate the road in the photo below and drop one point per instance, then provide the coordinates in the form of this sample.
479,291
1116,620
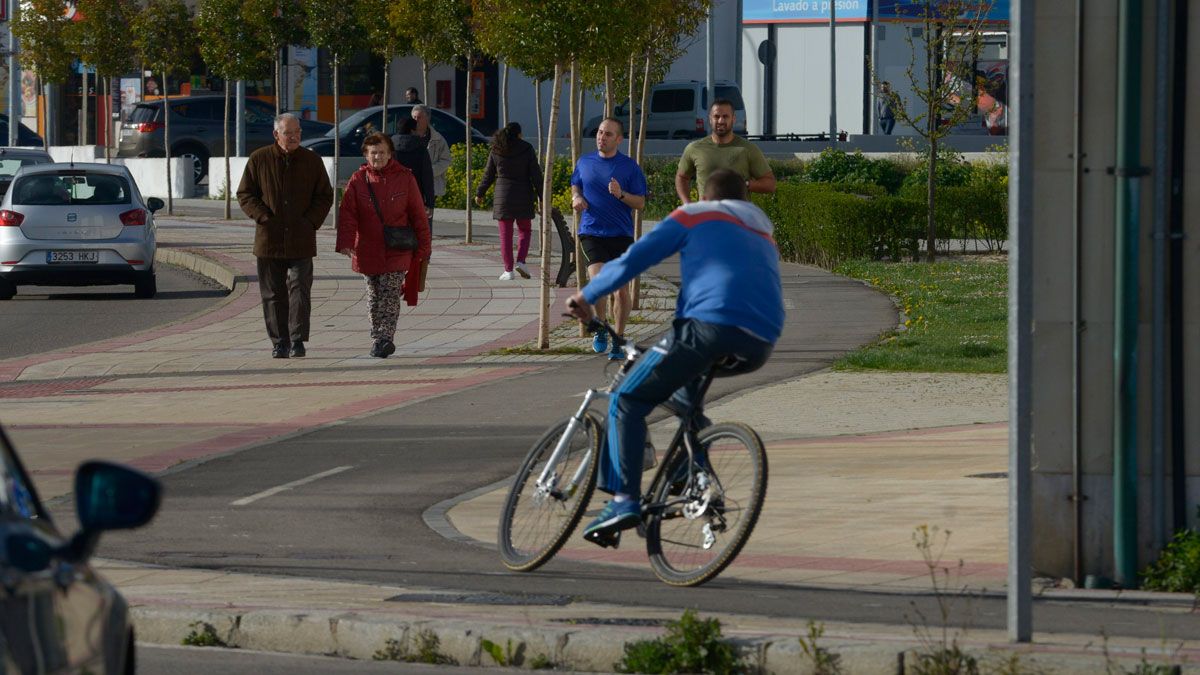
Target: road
46,318
361,520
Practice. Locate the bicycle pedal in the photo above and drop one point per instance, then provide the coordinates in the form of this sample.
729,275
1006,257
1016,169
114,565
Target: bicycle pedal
605,539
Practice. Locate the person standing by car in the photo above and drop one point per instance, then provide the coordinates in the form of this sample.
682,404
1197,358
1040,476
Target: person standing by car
722,149
605,189
513,166
382,193
439,150
411,153
286,191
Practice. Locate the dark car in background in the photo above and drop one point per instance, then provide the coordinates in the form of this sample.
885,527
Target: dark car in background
197,128
26,137
56,614
361,124
12,159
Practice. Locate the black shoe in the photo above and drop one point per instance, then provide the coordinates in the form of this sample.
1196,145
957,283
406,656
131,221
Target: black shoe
383,349
280,351
298,350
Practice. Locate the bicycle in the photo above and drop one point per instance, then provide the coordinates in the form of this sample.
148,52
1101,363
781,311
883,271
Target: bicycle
697,514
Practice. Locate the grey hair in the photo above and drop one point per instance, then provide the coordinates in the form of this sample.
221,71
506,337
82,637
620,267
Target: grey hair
280,119
423,109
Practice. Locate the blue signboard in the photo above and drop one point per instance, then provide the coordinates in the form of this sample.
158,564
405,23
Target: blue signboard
890,10
803,11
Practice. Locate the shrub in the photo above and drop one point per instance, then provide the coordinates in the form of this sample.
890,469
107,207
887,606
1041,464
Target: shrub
950,170
691,645
1177,569
976,211
838,166
817,224
456,193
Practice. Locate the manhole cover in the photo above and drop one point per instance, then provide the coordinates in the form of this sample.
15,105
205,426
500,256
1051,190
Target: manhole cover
996,474
483,599
596,621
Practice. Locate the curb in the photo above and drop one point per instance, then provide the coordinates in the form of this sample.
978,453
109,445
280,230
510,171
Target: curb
201,264
586,649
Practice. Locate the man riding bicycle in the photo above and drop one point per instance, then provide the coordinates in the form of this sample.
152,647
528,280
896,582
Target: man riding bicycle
730,306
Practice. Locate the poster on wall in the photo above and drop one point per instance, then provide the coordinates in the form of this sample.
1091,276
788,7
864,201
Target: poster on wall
803,11
899,10
131,94
302,82
29,95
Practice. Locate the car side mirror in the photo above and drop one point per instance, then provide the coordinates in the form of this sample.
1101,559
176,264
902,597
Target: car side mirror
27,552
114,497
154,204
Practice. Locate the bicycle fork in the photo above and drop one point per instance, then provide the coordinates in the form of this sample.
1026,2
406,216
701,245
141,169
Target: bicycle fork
547,481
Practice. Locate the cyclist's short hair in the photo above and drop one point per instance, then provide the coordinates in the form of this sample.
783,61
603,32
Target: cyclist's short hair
725,184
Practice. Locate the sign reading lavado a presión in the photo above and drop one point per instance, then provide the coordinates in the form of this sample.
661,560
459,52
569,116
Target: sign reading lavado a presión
802,11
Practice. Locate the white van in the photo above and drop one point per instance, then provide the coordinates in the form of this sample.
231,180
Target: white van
679,109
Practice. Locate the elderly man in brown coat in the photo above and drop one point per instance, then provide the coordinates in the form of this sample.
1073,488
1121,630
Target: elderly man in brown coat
286,191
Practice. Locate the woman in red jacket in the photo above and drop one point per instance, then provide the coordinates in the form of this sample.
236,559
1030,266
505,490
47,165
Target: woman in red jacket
396,202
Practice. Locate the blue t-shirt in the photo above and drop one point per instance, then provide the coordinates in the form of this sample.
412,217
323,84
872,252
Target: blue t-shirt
605,215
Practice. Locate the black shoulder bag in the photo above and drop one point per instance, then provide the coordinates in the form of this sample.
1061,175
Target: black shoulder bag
398,237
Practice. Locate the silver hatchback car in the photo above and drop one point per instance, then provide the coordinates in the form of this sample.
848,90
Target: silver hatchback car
77,225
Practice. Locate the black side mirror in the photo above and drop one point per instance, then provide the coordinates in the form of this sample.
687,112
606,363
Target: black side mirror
27,552
114,497
155,204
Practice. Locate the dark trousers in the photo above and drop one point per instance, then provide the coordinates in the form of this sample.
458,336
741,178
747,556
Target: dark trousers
887,124
286,288
674,368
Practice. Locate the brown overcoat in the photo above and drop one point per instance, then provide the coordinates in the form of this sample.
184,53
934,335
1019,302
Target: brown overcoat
288,195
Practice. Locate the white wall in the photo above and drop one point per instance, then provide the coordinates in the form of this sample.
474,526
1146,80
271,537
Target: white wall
237,166
802,84
893,54
77,153
152,180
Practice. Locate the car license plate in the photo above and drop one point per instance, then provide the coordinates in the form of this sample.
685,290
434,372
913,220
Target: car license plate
72,257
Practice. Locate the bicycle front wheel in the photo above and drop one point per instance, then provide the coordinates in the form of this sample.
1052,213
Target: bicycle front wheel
538,518
704,524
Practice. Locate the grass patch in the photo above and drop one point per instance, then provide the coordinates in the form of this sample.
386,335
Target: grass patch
202,635
955,316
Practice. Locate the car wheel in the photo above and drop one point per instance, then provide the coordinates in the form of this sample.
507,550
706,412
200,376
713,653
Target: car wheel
199,161
7,289
145,286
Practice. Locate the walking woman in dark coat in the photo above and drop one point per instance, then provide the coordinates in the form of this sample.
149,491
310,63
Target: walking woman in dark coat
513,166
412,153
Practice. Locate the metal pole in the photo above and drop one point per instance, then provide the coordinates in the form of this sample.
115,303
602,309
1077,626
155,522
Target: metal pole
1158,409
14,75
709,62
1129,174
239,133
833,135
1020,325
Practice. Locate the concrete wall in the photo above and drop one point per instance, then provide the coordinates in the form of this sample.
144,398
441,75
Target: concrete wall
148,173
1053,373
77,153
237,166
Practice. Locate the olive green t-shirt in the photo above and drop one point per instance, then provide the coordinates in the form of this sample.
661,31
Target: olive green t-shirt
703,156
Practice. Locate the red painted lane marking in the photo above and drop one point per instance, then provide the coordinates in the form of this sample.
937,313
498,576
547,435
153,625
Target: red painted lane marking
51,388
258,434
224,387
906,568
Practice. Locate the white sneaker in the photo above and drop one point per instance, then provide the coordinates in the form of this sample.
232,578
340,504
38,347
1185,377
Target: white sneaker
508,276
520,268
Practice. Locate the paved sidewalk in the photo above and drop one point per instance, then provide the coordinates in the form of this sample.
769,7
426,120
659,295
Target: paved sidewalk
857,461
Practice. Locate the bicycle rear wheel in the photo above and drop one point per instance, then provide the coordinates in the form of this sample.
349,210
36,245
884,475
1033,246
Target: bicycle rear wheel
536,520
702,530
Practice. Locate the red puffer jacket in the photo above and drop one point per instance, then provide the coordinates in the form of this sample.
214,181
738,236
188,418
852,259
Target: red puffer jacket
360,230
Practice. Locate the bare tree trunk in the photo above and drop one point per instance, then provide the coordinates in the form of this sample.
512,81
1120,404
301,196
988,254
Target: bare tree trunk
425,78
608,92
504,96
467,118
387,70
83,111
635,291
537,103
547,195
573,113
337,137
225,138
629,127
278,82
108,125
46,115
167,144
931,123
